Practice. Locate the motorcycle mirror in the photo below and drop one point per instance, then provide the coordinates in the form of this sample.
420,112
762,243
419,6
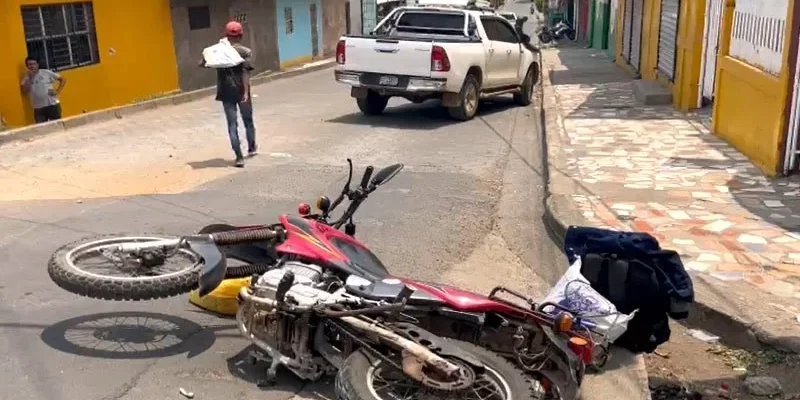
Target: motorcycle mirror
324,204
386,174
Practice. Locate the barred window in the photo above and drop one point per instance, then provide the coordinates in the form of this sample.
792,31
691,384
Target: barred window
61,36
288,20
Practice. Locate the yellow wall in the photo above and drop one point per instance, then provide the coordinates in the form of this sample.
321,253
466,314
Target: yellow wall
142,64
689,55
749,103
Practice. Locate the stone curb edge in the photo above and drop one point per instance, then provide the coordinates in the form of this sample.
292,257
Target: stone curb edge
706,315
555,229
35,131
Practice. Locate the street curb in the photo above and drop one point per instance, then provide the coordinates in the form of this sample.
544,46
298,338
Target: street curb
738,331
557,230
28,133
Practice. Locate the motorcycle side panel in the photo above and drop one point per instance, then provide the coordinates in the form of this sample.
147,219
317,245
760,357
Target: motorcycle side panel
320,243
461,300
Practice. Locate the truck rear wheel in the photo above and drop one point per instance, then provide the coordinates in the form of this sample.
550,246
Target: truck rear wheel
469,97
373,104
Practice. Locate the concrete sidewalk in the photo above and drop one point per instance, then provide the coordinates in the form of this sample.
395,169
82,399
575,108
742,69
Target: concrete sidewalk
616,163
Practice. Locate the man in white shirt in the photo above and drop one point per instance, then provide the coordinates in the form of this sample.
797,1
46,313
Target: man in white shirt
38,84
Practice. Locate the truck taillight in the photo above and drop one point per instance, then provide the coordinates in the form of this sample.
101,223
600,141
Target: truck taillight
340,52
439,60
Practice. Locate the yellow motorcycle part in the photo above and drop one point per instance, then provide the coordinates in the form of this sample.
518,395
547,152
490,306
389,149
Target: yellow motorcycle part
223,299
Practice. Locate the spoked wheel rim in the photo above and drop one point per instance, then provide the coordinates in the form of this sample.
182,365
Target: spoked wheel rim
391,384
121,266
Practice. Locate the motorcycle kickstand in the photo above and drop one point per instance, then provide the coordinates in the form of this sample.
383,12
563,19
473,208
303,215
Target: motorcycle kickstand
254,357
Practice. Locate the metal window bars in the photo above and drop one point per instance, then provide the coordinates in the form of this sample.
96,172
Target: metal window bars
61,36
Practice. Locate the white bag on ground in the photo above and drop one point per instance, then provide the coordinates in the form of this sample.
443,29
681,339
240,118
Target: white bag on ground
222,55
574,292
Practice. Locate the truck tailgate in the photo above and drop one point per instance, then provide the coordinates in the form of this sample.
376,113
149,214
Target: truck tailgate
388,56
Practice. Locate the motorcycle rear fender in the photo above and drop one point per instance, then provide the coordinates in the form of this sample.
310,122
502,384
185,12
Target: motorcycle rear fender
572,367
214,266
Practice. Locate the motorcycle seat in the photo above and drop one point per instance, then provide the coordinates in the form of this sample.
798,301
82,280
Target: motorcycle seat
382,291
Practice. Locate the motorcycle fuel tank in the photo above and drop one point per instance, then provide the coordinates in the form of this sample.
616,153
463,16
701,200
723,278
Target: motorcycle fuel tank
324,245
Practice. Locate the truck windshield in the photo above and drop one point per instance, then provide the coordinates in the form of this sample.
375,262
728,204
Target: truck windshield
439,23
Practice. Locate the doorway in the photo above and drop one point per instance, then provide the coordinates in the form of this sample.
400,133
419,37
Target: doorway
312,11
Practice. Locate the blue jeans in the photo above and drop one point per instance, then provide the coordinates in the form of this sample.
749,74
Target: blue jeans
233,126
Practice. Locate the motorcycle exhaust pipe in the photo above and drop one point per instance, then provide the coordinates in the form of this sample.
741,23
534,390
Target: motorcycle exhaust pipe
417,350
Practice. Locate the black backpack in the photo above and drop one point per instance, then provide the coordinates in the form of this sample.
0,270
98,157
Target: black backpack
631,284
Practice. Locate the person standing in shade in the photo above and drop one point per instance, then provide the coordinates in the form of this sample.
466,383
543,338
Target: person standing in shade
233,90
38,84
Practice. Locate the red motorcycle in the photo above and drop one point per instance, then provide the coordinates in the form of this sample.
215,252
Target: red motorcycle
320,301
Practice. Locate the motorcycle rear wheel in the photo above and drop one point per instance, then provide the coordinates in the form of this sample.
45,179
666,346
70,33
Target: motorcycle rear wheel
68,275
356,380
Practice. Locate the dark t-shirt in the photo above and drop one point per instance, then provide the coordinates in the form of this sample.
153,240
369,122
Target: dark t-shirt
230,82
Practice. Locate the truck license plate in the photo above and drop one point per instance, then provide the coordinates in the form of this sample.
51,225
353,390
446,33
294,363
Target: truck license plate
388,80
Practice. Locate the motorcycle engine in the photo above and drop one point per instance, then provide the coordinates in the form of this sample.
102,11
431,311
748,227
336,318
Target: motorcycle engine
286,332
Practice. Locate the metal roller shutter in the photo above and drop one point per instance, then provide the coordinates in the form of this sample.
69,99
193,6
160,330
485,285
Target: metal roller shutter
626,30
369,16
636,33
667,37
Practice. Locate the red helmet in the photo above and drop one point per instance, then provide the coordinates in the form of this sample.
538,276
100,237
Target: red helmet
233,28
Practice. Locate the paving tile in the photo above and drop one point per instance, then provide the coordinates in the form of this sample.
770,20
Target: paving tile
692,191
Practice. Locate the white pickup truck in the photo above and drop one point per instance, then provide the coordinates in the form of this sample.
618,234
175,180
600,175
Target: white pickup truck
456,54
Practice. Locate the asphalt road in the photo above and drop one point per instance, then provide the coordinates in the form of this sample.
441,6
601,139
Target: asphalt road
466,210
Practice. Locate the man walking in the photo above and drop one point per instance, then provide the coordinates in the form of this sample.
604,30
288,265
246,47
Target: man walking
233,90
38,84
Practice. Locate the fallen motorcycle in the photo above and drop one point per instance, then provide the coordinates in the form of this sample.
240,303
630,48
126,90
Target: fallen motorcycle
321,301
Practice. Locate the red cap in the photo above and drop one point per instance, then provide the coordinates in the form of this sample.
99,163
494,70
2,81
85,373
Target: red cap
233,28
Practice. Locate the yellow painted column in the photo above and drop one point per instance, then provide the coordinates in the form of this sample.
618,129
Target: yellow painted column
651,22
690,54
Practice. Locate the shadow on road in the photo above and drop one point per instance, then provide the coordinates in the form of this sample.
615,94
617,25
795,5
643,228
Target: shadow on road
425,116
127,335
212,163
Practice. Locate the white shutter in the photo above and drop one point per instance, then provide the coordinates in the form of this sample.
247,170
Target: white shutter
369,16
710,47
668,38
626,30
636,33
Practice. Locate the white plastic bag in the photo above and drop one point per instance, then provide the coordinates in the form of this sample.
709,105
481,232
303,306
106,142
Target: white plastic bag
574,292
222,55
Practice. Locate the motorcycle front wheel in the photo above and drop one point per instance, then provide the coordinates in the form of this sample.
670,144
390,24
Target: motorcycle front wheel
362,378
545,37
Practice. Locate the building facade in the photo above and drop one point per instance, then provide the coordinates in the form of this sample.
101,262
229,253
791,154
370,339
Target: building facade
197,24
118,52
111,52
734,57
